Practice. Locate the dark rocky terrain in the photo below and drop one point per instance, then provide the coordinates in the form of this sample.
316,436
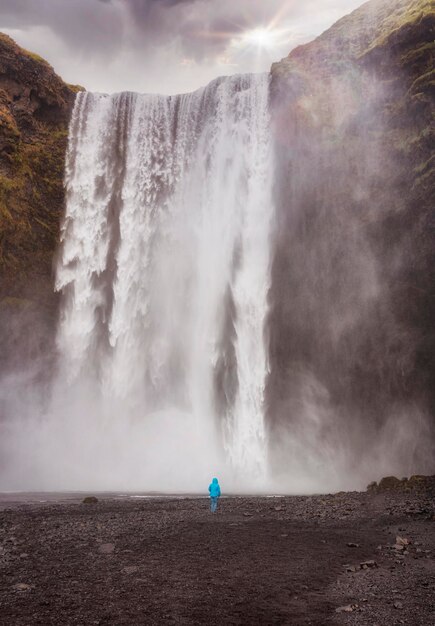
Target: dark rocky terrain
348,558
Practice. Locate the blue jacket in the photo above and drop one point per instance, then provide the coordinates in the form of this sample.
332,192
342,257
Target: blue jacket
214,489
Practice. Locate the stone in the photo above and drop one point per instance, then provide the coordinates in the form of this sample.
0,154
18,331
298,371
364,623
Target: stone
417,479
106,548
352,545
368,565
389,482
22,587
90,500
130,569
398,605
402,541
399,547
348,608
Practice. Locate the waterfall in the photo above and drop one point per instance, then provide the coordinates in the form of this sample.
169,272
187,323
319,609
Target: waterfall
164,264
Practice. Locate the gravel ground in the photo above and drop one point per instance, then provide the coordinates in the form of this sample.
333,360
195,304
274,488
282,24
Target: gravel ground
349,558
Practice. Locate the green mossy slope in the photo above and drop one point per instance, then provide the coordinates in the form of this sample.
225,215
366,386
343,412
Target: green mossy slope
35,106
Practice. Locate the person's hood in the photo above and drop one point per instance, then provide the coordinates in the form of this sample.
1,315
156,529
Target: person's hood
215,481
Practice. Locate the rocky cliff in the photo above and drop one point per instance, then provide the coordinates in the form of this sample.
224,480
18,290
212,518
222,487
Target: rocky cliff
35,105
352,296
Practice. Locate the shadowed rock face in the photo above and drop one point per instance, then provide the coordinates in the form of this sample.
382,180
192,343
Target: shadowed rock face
352,306
35,106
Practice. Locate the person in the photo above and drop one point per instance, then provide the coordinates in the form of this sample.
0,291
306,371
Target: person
214,491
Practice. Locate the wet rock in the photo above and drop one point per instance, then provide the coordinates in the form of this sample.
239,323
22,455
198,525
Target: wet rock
90,500
389,482
417,480
414,483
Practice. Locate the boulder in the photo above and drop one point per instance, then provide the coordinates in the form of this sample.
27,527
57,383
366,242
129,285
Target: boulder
389,482
90,500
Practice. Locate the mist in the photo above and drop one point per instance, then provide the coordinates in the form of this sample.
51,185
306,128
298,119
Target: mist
241,292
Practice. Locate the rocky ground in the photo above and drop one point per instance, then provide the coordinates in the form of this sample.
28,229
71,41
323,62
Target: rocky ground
349,558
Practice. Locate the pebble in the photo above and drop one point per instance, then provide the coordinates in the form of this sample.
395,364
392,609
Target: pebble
106,548
22,587
346,609
351,568
402,541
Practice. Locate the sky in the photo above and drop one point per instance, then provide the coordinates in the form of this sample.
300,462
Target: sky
164,46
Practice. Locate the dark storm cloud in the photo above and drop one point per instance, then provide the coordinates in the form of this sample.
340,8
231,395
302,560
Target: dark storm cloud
194,26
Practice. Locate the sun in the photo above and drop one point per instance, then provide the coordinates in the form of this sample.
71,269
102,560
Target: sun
262,37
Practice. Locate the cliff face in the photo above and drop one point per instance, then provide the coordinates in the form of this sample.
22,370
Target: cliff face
353,339
35,105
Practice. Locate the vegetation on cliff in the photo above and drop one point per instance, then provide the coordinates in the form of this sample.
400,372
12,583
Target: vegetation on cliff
35,105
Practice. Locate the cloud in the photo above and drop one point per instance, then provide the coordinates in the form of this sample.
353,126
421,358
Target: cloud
160,45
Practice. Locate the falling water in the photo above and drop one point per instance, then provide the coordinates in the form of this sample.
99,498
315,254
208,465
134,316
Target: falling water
164,266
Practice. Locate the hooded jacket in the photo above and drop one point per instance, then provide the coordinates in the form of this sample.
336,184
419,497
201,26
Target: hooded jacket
214,489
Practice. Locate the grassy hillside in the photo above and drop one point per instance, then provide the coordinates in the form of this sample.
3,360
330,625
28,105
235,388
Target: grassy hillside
35,105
